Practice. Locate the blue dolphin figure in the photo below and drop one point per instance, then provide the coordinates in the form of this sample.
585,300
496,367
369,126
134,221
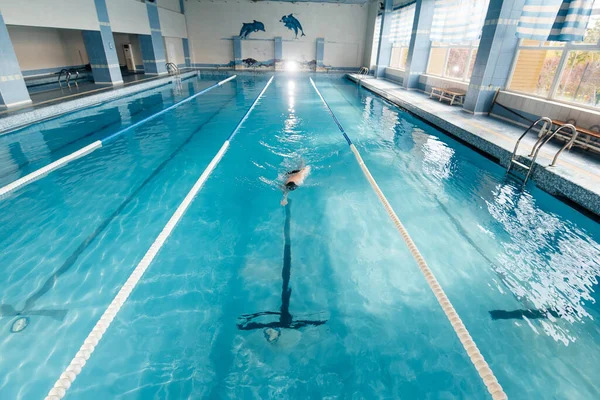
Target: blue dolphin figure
290,22
250,27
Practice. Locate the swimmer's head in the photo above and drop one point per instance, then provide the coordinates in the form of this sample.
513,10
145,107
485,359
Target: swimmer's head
291,186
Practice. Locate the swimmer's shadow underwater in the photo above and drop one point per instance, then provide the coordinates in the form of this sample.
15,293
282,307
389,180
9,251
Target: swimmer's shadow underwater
272,329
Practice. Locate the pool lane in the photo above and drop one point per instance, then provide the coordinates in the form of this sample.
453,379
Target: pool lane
37,145
504,258
363,322
97,216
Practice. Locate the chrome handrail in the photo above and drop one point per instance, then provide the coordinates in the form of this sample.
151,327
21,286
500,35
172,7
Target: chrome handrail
569,143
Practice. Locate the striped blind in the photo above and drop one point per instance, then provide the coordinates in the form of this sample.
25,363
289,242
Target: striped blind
458,21
402,23
555,20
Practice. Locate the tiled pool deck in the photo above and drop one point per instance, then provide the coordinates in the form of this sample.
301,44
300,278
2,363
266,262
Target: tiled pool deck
54,102
576,175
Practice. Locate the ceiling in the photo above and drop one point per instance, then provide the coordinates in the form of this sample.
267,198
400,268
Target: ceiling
322,1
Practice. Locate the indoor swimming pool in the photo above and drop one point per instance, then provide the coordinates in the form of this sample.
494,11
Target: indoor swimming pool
318,299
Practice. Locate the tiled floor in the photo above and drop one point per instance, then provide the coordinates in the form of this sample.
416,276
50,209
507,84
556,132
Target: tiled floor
45,98
581,168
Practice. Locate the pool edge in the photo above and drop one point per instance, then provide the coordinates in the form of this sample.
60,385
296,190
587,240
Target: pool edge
545,179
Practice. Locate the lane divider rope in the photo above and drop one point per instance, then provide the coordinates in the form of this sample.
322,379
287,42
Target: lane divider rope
39,173
66,379
482,367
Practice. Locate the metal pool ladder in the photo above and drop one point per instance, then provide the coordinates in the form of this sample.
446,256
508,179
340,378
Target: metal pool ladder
172,69
545,135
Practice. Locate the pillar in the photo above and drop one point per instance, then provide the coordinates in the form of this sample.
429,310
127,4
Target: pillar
384,51
186,42
497,48
186,52
237,52
100,47
153,47
279,54
420,44
13,91
320,53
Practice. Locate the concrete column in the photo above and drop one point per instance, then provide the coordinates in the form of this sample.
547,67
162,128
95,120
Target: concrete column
279,54
186,52
186,42
384,51
495,55
13,91
100,46
237,52
420,43
320,53
153,47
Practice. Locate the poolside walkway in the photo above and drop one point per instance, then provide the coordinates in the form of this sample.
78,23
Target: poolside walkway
55,102
576,175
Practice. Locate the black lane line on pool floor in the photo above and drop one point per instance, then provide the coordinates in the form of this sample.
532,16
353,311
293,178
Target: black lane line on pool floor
17,145
7,310
286,320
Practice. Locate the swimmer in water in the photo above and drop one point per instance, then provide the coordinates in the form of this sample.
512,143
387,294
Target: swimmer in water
294,180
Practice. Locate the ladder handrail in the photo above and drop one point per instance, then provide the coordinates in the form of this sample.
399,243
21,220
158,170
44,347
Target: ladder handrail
66,71
174,67
568,144
71,70
546,120
548,138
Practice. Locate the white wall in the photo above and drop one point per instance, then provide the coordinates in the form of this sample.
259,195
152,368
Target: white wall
263,50
211,25
172,24
172,5
370,33
69,14
174,50
47,48
128,16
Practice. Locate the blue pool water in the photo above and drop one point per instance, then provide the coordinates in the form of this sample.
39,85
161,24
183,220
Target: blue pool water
521,268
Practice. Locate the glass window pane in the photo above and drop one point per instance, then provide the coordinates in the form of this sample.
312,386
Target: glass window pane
403,58
535,71
592,34
457,63
437,56
472,64
580,79
395,57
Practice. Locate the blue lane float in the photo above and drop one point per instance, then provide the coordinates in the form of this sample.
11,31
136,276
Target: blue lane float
37,174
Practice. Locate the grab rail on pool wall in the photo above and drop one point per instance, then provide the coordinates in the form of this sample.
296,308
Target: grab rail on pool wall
64,382
485,372
37,174
546,134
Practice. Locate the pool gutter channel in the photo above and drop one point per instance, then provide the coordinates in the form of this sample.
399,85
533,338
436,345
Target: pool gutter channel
580,198
482,367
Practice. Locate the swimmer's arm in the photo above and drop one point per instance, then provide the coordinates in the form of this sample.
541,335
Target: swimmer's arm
284,200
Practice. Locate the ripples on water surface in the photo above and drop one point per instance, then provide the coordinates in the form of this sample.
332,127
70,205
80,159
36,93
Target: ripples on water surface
355,318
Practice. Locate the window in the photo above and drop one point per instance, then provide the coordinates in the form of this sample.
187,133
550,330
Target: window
402,23
454,61
563,71
376,35
455,33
